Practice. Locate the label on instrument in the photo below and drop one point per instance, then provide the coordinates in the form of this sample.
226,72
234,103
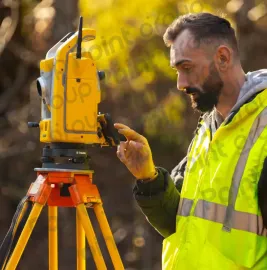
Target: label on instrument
36,185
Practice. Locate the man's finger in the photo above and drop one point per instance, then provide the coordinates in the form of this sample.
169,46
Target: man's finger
122,146
121,151
132,135
121,157
119,125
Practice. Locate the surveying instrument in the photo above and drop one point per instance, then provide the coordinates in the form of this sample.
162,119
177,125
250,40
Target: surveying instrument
70,124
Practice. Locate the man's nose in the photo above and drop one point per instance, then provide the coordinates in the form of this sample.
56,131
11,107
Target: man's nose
182,82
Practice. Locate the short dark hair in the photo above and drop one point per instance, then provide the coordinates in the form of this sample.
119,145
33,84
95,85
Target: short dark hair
204,27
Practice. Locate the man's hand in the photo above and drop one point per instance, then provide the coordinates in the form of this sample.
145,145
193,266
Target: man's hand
135,153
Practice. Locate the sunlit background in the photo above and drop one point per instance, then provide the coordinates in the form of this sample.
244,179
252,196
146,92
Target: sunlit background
139,90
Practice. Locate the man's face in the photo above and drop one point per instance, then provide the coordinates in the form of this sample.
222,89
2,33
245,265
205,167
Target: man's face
197,72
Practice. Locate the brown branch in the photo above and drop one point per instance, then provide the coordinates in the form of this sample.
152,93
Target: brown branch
4,40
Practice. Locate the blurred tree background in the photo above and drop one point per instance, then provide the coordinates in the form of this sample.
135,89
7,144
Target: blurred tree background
139,90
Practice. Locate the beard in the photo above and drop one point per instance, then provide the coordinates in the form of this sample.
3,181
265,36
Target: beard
205,99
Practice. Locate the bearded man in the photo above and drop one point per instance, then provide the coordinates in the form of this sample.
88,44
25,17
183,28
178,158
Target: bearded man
211,209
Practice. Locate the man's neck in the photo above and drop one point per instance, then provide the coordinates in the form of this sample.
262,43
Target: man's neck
230,91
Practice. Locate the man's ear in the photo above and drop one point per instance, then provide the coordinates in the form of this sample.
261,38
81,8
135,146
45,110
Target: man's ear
262,193
223,57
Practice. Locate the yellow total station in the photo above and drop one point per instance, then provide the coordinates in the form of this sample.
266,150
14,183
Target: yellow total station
69,86
70,123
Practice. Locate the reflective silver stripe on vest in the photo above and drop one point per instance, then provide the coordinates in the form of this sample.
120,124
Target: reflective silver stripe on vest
255,131
217,212
184,207
240,220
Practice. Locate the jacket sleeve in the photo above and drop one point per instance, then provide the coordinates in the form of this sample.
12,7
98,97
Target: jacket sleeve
159,199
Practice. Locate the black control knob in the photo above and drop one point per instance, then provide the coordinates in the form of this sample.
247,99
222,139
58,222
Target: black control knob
101,75
33,124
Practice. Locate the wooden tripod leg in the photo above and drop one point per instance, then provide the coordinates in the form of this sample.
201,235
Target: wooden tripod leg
24,237
91,237
53,237
106,231
80,239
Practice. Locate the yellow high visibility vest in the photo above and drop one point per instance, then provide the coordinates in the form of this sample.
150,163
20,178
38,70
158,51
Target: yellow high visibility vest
219,224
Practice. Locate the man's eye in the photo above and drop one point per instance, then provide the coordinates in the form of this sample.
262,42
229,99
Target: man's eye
187,68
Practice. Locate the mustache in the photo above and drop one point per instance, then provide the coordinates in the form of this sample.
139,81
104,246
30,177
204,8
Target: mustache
192,90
